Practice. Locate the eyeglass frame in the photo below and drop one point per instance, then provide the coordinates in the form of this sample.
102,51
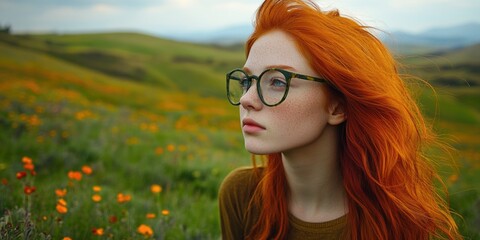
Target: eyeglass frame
288,78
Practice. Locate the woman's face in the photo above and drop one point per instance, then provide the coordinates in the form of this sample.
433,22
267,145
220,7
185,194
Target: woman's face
299,120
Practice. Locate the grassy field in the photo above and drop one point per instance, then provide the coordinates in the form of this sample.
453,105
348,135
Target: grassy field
129,137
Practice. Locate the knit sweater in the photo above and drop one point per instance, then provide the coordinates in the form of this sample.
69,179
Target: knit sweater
235,194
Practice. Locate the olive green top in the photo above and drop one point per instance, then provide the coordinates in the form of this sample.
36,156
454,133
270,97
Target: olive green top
234,197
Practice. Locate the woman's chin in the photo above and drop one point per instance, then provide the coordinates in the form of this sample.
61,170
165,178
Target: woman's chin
258,150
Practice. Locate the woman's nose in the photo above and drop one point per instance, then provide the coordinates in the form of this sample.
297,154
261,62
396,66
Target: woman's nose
250,99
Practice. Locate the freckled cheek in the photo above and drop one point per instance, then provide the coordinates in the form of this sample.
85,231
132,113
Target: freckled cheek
288,116
297,114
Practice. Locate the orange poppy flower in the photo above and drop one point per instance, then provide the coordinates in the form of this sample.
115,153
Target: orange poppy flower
453,178
165,212
27,160
158,151
61,209
29,190
61,192
96,198
171,147
122,198
67,238
62,202
150,215
112,219
75,175
29,166
97,188
97,231
87,170
155,188
21,175
145,230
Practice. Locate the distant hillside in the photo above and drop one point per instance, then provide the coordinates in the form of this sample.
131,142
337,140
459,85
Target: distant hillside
168,64
458,67
463,55
200,68
434,39
226,36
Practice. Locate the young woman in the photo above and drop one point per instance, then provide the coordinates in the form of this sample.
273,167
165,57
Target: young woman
322,99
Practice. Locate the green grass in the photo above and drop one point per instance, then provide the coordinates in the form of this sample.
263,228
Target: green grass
65,106
116,127
454,68
445,105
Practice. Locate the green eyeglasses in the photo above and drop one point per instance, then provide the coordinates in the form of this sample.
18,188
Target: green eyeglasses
272,85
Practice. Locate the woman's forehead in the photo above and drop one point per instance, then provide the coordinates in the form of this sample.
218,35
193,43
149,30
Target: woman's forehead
275,48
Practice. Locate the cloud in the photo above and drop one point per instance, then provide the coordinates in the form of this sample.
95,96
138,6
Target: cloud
85,3
407,15
422,3
158,16
196,16
183,3
105,8
237,6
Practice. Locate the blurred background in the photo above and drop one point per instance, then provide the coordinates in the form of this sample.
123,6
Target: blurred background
114,121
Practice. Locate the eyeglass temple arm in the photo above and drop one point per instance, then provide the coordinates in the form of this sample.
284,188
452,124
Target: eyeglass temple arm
309,78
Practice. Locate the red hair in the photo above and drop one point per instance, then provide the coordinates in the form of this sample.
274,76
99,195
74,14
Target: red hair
388,179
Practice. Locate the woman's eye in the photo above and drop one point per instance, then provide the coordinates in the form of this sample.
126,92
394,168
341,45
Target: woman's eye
276,82
245,83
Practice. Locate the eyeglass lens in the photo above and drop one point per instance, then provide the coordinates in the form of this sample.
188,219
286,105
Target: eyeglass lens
271,89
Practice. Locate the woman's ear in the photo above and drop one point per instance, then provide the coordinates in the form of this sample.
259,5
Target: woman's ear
336,110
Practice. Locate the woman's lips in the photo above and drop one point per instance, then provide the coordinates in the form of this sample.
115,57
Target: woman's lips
250,126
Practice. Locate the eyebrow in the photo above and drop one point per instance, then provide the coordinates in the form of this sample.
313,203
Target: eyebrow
285,67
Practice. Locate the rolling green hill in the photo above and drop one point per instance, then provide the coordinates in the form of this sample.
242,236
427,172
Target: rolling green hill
454,68
141,110
141,58
455,71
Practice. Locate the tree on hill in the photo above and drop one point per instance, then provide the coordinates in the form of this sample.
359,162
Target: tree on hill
5,28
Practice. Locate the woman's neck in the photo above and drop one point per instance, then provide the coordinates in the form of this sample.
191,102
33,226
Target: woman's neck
314,178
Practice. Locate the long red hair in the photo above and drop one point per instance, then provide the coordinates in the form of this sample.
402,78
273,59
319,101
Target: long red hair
388,179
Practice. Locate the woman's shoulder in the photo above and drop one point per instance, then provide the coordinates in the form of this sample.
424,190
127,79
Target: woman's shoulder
243,179
234,196
240,183
245,173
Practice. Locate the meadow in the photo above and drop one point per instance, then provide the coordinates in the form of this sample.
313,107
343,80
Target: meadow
128,136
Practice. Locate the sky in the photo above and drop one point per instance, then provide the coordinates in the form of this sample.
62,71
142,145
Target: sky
169,17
